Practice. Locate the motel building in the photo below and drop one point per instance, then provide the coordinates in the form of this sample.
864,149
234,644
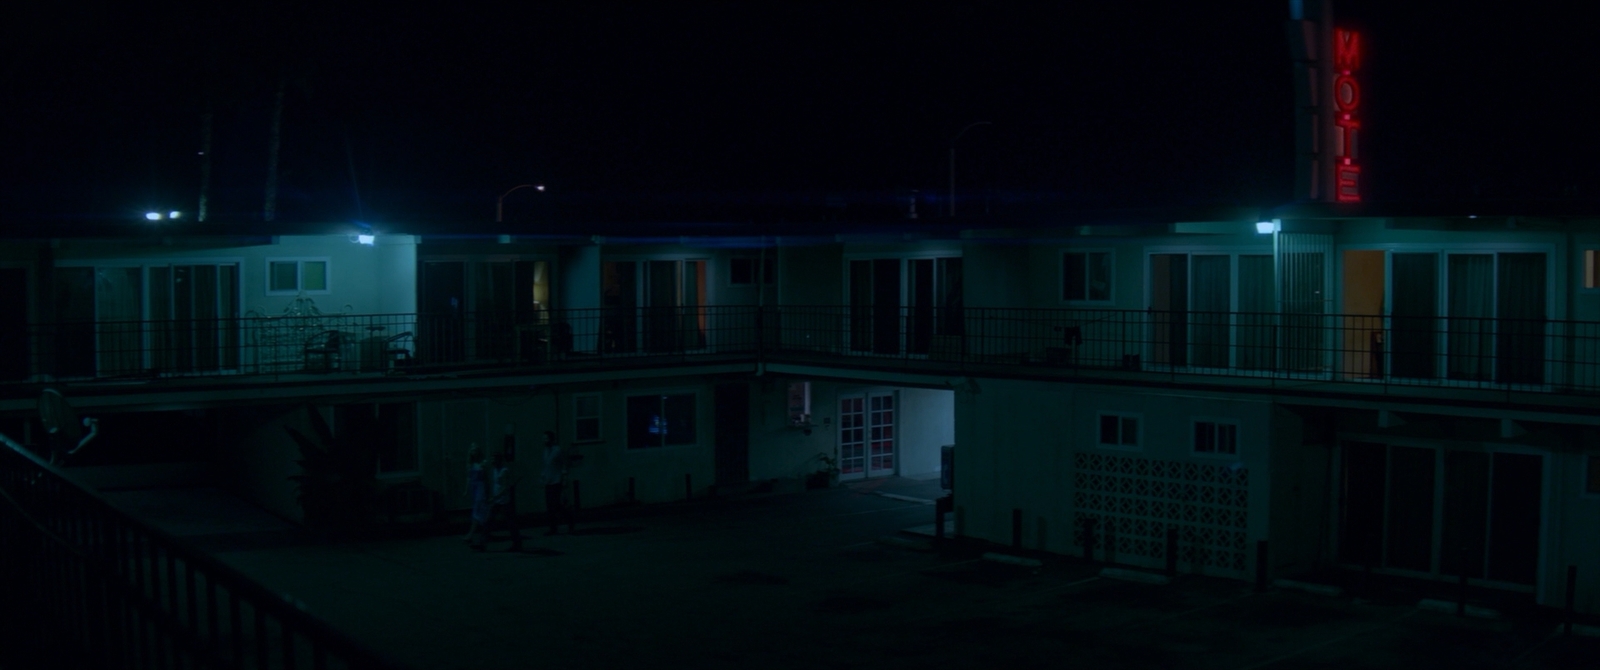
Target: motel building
1408,394
1286,391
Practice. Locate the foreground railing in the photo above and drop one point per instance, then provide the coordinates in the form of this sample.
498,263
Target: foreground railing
1522,354
93,587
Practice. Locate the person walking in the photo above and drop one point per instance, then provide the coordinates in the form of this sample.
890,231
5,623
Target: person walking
478,493
554,478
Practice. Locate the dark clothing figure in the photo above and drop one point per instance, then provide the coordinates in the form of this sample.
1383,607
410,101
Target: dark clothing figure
554,479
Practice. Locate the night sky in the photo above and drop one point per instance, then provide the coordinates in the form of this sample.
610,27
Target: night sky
409,114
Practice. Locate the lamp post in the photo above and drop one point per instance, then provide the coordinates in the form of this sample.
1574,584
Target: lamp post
970,126
499,205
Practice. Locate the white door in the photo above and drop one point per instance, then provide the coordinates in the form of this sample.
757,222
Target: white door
866,436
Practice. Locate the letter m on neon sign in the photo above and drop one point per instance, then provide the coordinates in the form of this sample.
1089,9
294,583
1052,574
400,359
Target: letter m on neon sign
1346,49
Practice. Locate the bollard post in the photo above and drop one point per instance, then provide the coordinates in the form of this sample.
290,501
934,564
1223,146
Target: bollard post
577,496
688,488
631,496
1172,551
1016,529
1572,596
1261,566
940,508
1088,539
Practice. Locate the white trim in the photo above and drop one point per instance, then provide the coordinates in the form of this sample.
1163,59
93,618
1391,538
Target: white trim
299,275
599,417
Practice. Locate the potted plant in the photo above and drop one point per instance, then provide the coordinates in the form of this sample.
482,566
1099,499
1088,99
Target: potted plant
827,476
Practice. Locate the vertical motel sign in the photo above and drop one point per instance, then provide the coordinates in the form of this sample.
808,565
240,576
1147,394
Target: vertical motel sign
1346,115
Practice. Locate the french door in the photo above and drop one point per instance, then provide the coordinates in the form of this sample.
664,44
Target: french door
1443,513
866,435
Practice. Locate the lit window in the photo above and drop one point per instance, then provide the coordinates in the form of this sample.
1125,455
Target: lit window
742,271
1086,276
1592,480
1216,437
586,417
1119,430
800,404
661,420
292,276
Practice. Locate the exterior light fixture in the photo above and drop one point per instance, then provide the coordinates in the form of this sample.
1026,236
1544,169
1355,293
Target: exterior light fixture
1269,227
173,215
366,238
152,216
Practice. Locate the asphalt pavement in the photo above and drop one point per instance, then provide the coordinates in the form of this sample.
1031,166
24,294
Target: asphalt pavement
830,579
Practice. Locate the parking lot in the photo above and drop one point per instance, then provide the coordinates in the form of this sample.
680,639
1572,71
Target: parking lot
807,580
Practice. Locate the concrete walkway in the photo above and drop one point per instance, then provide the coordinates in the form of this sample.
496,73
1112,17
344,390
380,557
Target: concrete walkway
806,580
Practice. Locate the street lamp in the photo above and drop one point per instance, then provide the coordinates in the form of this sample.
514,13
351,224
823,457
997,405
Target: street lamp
970,126
499,205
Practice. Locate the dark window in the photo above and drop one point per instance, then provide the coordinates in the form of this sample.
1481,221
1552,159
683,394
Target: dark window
1119,431
661,420
1216,438
1086,275
742,271
1592,482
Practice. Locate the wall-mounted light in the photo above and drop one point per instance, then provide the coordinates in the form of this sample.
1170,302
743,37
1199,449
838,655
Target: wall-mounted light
173,215
1269,227
366,238
152,216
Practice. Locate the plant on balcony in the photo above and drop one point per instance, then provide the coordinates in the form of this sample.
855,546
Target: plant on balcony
827,476
337,482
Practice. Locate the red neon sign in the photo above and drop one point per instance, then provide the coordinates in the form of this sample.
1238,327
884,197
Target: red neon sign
1346,116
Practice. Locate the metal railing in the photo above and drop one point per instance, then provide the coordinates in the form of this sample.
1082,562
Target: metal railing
1533,355
94,587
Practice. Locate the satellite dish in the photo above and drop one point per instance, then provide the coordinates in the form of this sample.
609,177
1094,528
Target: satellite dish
58,417
64,427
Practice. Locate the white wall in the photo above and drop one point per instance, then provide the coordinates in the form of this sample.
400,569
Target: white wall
1019,444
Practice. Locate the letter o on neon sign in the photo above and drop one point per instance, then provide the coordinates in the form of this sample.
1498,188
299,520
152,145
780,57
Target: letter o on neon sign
1346,93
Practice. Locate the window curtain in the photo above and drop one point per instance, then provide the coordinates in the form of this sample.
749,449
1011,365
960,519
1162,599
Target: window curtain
861,305
120,345
1213,291
1303,268
1257,336
1520,346
1470,326
1414,326
951,320
493,308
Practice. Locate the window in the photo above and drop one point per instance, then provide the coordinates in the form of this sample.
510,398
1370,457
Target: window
586,417
294,276
1119,430
1591,268
661,420
742,271
1086,276
1216,437
800,403
1591,483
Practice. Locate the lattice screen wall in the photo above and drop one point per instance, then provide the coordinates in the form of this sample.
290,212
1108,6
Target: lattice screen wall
1142,497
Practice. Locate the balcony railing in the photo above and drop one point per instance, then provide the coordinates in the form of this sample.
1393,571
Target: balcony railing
93,587
1512,354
